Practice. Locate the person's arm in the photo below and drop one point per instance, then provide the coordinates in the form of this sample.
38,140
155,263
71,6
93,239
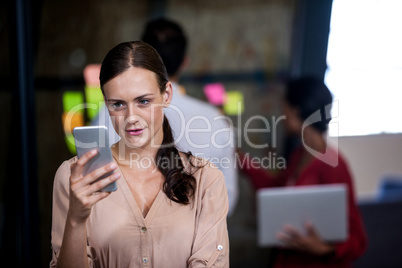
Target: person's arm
346,251
310,242
73,251
227,164
211,243
258,176
231,180
356,242
60,225
73,199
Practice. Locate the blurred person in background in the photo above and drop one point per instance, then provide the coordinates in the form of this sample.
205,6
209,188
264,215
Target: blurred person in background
211,136
304,97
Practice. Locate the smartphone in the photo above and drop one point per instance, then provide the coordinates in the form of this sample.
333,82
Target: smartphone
95,137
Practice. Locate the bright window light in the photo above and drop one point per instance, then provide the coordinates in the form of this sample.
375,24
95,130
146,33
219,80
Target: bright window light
365,66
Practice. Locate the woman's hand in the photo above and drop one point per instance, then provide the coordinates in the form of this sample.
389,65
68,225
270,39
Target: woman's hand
311,242
84,191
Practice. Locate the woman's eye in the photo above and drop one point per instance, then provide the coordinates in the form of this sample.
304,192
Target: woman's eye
144,101
116,105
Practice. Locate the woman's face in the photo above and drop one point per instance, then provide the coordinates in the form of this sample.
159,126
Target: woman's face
292,121
136,105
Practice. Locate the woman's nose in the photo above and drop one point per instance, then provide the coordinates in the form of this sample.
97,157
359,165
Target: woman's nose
132,119
132,115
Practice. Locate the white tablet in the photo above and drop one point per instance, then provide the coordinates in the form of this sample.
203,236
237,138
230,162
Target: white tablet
325,206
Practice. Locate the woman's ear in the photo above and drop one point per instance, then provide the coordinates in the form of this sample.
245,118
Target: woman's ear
167,95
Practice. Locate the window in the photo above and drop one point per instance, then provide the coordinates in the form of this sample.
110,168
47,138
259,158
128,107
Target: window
365,67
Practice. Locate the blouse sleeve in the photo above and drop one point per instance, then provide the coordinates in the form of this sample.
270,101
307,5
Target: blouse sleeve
211,242
61,190
356,242
258,176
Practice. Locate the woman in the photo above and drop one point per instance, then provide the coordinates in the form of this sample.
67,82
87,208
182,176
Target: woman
170,207
313,163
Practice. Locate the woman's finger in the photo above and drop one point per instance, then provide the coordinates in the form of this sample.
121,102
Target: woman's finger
289,236
83,195
91,195
310,229
291,231
288,241
78,167
97,196
283,238
95,187
90,178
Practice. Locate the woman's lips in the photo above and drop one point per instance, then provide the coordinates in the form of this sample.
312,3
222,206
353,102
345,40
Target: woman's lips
135,132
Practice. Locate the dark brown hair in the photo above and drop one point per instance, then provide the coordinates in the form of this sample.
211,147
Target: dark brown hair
169,39
179,185
309,94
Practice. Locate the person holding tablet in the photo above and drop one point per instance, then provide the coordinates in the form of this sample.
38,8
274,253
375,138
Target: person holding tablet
169,209
314,162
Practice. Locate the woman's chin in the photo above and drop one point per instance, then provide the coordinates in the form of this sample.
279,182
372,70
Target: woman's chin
134,142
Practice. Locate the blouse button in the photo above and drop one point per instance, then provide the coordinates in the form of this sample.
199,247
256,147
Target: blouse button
143,229
220,247
144,260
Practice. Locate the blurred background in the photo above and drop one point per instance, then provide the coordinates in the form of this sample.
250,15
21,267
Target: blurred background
251,47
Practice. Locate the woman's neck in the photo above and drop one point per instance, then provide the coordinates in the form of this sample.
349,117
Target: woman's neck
127,156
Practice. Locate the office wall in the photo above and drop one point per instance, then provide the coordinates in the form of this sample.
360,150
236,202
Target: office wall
370,157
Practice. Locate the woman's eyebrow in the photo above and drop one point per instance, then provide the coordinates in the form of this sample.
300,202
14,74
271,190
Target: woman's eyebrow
115,100
136,98
143,96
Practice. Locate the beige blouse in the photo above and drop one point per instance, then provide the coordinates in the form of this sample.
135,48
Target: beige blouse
171,235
